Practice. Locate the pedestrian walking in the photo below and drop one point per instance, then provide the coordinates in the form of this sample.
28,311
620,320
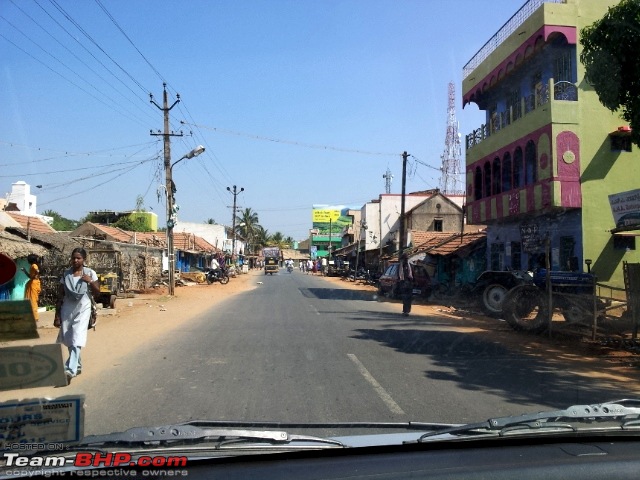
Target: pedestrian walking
33,288
405,285
73,310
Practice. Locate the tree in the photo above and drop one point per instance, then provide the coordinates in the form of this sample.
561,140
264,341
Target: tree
261,238
210,221
247,225
609,54
132,223
60,223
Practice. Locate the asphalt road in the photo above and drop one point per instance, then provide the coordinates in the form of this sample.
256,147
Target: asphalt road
302,349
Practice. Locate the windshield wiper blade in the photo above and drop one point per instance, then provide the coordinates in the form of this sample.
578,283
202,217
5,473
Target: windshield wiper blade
618,414
186,433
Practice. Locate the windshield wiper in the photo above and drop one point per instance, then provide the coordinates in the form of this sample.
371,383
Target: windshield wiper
187,433
618,415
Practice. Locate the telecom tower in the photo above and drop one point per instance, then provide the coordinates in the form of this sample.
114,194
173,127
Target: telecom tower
450,181
388,177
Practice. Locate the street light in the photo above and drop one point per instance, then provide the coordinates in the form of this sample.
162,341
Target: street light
171,214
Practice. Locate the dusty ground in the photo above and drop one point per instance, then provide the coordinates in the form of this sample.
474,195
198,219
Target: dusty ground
137,321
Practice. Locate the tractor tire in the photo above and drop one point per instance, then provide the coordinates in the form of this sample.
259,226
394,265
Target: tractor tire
493,298
525,308
112,301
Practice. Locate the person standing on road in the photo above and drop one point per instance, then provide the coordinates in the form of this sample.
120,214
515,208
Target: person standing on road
406,285
33,288
73,310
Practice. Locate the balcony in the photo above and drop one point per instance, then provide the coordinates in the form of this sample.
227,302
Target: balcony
560,91
501,35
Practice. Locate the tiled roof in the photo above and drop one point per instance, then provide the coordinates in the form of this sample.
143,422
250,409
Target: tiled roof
420,238
454,245
33,224
190,242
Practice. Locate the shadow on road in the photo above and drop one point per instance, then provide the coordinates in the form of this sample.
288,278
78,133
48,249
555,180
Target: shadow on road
337,294
476,362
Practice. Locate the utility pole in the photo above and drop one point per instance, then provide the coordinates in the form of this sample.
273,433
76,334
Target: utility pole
235,193
168,180
405,155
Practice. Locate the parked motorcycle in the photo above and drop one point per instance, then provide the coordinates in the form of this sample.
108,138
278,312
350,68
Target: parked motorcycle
217,275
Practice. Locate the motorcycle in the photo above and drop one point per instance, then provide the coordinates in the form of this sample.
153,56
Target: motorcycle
289,268
217,275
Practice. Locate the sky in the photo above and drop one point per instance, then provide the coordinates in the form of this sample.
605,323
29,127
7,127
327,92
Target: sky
299,102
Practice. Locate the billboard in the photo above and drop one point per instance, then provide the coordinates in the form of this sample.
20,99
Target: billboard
335,215
625,207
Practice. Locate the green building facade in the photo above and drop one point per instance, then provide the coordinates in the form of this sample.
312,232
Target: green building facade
549,154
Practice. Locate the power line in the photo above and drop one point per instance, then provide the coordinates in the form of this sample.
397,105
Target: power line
97,45
129,39
292,142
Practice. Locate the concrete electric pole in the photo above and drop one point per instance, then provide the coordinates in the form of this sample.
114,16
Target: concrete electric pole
168,180
235,193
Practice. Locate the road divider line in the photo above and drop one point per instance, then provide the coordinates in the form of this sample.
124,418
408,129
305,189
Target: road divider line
382,393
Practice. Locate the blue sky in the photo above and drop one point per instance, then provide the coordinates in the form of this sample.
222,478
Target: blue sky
299,102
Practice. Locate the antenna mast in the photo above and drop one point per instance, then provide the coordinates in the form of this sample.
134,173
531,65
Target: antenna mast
450,181
388,177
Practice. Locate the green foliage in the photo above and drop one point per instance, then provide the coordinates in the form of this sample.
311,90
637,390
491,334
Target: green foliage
133,223
60,223
610,56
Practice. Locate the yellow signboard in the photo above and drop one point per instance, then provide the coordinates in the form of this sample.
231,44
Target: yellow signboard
325,216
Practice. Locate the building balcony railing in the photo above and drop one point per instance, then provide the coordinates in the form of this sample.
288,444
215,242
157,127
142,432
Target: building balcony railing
562,91
501,35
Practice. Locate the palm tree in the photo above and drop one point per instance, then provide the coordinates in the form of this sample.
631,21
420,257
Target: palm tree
247,225
289,241
277,240
261,238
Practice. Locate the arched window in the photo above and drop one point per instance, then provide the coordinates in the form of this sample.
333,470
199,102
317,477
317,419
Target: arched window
518,168
487,179
531,172
477,184
506,172
496,184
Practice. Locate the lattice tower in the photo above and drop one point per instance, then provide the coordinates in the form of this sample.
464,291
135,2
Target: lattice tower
451,179
388,177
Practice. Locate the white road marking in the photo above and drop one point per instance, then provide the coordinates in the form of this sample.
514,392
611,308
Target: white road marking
382,393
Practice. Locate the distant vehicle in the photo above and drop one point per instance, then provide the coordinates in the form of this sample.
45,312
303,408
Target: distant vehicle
388,282
271,260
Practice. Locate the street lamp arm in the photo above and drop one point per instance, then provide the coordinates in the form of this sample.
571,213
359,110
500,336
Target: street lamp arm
193,153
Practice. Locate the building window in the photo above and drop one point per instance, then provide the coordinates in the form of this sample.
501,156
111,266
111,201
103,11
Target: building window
506,172
477,193
518,168
497,256
568,260
620,143
531,173
496,180
624,242
516,256
513,104
438,225
487,180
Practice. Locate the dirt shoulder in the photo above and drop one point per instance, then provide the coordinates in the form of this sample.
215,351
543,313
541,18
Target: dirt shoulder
574,350
135,322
